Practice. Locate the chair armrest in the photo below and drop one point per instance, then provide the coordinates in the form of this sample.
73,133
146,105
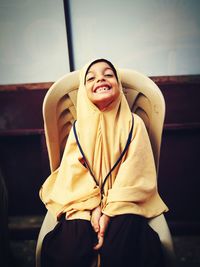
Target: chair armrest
159,225
48,224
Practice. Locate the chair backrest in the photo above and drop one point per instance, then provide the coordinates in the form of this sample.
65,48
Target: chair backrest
59,110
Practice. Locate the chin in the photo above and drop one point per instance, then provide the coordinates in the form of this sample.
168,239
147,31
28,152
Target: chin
103,103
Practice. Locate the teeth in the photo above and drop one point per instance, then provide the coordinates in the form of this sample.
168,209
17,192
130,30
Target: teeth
100,89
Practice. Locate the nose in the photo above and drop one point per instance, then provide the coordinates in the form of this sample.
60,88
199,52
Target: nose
100,78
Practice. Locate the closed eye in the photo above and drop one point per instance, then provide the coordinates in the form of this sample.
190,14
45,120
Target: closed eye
109,75
90,79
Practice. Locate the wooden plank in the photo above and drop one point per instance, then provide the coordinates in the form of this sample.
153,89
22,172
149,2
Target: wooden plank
25,86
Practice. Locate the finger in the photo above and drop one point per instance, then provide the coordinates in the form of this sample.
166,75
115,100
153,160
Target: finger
103,223
99,244
102,231
96,214
95,224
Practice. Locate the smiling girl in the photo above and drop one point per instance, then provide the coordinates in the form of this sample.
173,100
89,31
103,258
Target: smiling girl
106,186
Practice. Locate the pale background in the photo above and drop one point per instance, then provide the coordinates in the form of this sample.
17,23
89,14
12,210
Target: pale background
156,37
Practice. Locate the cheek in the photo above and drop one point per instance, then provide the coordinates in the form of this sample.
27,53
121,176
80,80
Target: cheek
117,89
87,88
89,93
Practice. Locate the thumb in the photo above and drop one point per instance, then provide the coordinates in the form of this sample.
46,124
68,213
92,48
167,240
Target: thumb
103,223
96,214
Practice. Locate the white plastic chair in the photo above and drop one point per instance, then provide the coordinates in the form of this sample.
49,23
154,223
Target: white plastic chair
59,112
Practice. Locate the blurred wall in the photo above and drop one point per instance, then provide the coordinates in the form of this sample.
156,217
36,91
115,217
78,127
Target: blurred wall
33,43
156,37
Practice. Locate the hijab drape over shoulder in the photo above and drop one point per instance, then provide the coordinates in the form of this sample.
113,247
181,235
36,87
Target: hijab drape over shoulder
132,186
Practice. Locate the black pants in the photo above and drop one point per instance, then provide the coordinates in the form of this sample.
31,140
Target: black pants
129,242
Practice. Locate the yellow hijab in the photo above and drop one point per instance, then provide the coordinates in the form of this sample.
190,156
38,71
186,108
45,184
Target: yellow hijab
103,135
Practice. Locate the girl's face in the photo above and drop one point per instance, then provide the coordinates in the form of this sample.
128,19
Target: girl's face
101,85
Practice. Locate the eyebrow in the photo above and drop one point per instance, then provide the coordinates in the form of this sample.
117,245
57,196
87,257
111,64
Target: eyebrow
107,68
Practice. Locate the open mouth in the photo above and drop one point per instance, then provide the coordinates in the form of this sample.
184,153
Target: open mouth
102,89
